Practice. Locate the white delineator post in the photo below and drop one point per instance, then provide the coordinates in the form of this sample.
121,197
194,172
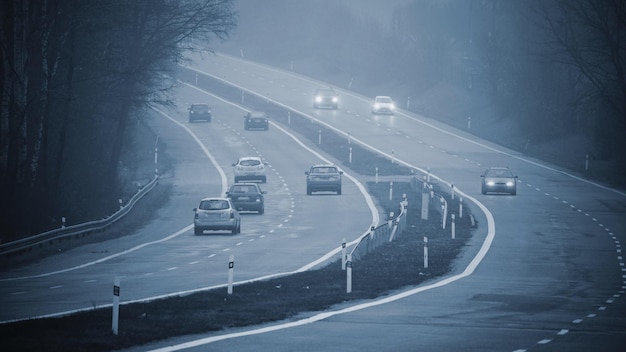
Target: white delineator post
343,254
425,201
349,274
452,227
425,252
231,269
116,304
460,207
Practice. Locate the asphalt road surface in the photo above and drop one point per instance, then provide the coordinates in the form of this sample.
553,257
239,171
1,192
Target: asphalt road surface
544,272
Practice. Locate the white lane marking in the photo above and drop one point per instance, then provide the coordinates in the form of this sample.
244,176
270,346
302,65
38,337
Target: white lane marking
175,234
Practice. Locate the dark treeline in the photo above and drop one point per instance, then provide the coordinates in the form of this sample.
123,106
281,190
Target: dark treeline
549,68
74,74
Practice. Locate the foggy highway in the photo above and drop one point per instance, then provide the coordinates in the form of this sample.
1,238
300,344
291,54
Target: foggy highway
552,280
164,256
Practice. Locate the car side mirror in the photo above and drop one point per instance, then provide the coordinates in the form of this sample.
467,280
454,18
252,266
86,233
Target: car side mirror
234,164
195,209
340,172
306,172
482,176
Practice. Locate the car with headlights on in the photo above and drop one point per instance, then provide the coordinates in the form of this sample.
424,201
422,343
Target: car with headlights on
498,180
383,105
247,197
216,214
325,97
323,178
199,112
256,120
250,168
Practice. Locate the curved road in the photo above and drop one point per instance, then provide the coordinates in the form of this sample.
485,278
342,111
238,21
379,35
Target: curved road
552,277
164,257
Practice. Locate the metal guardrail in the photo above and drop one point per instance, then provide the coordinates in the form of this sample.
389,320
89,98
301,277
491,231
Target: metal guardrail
382,234
28,243
395,226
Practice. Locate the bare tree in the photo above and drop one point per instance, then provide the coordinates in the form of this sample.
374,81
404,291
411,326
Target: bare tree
73,73
590,36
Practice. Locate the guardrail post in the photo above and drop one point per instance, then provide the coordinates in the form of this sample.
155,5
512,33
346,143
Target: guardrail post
372,232
319,137
242,97
289,117
428,175
393,156
390,190
390,220
376,175
63,222
120,201
452,191
350,156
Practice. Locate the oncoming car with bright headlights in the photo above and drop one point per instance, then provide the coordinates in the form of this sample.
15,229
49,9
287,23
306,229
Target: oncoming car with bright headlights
383,105
325,97
498,180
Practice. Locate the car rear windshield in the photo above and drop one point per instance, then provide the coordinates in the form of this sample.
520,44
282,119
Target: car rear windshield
250,163
214,204
324,170
244,189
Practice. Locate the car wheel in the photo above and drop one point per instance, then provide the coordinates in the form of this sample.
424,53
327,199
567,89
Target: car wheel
262,210
197,231
245,126
236,179
264,179
339,191
514,192
483,191
308,191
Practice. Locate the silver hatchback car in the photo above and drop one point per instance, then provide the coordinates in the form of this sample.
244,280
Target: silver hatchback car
215,214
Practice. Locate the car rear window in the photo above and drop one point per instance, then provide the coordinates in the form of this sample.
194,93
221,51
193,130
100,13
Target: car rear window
324,170
250,162
214,204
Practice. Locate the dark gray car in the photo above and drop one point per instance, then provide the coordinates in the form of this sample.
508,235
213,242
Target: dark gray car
323,177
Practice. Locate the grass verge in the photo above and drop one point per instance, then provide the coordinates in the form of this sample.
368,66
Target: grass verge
258,302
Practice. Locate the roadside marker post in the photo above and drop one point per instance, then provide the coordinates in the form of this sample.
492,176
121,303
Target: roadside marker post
231,268
425,252
349,274
116,304
453,227
460,207
343,254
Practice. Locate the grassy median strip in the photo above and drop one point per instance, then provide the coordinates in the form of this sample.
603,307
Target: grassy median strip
392,266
